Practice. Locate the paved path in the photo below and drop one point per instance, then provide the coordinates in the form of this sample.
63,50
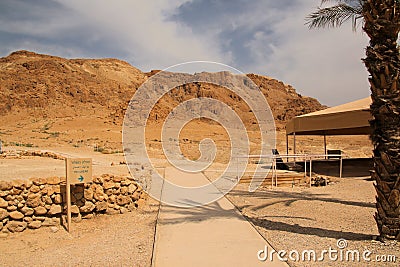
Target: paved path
212,235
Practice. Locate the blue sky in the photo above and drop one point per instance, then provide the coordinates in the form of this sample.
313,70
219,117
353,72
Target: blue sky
265,37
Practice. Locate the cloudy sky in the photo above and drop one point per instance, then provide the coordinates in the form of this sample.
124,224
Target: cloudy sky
267,37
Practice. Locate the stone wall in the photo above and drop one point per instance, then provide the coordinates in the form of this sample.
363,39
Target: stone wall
40,202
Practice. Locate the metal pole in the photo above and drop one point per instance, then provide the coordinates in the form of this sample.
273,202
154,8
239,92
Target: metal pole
287,147
341,166
325,145
294,143
310,170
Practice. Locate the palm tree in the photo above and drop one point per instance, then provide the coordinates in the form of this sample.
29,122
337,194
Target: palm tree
381,22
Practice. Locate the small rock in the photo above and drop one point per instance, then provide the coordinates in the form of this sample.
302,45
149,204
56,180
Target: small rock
34,200
5,185
28,219
111,211
3,203
108,185
35,189
77,218
34,224
57,199
51,222
100,206
124,190
16,215
132,188
74,209
88,194
16,226
47,200
88,207
123,200
40,210
40,218
1,226
54,229
53,180
11,208
88,216
123,210
136,195
55,209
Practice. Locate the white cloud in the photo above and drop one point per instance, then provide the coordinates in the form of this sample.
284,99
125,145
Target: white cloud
142,30
266,37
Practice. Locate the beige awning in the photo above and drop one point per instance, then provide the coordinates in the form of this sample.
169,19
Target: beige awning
347,119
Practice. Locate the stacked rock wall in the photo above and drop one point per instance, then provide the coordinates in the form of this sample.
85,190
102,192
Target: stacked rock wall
39,202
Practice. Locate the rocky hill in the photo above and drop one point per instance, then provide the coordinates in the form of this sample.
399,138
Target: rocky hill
43,86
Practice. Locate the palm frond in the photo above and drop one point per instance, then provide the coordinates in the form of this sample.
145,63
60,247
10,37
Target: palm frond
334,16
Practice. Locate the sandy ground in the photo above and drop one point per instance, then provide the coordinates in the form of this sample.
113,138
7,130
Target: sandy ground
119,240
316,218
290,218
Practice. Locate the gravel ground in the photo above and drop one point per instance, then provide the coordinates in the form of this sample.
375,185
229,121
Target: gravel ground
118,240
316,218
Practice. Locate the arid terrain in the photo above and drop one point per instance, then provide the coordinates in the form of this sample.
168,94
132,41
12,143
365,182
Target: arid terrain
76,107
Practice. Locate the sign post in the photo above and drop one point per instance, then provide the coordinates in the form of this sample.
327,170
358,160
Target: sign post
78,171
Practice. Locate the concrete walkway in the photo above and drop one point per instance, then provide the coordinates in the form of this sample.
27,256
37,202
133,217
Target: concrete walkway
212,235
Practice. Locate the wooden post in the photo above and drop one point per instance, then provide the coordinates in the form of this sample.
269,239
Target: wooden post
325,145
68,187
68,194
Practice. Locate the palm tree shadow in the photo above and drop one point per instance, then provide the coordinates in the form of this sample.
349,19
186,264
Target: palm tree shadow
305,230
213,211
288,198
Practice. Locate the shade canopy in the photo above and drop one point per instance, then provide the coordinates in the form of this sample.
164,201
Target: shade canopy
347,119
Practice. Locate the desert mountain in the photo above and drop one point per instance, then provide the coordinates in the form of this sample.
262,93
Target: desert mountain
52,87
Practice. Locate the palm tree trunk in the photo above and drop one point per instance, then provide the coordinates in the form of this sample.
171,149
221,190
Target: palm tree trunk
382,24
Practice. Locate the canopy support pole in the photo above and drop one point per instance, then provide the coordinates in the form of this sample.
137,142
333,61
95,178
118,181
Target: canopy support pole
287,146
294,143
325,145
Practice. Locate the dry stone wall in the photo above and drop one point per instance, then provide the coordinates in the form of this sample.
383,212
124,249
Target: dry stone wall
40,202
